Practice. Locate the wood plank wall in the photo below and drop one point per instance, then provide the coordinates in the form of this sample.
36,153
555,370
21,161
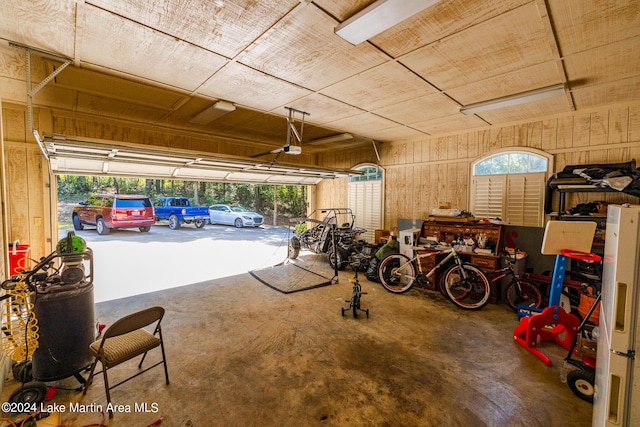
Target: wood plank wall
420,174
29,213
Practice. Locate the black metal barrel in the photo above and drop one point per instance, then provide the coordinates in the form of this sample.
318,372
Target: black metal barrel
66,328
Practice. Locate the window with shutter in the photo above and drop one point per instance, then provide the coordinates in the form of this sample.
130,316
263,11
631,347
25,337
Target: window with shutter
365,199
510,185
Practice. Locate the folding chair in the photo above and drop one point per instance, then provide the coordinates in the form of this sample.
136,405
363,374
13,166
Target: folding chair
124,340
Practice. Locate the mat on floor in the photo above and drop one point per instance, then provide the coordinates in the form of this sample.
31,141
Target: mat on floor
292,277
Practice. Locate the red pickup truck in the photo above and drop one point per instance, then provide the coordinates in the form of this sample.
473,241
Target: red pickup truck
108,211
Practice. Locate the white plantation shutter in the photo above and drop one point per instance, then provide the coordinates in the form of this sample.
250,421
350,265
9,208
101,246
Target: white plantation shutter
488,193
524,201
517,199
510,184
365,201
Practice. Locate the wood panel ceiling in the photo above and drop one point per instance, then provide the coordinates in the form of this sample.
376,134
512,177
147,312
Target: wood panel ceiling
164,61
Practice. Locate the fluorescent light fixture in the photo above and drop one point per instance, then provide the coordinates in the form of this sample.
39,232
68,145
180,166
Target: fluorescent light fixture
329,139
510,101
216,111
378,17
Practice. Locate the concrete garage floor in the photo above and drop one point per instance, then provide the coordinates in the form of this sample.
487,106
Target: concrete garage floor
243,354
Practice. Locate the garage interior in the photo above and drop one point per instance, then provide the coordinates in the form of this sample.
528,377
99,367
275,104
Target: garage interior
271,92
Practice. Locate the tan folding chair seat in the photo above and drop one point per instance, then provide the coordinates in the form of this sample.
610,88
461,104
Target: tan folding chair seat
124,340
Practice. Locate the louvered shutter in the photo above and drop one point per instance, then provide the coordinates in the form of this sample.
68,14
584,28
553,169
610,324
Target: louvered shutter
487,196
365,201
517,199
524,202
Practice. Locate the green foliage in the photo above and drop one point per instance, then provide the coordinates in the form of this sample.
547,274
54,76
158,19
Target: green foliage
290,199
300,228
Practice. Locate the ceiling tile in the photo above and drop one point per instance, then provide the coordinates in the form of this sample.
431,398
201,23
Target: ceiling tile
500,45
379,87
451,123
123,46
608,93
251,88
49,26
521,80
439,21
303,49
365,124
420,109
528,111
323,110
222,26
615,61
585,24
398,133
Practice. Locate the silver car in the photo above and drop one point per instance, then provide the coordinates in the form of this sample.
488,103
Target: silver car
234,215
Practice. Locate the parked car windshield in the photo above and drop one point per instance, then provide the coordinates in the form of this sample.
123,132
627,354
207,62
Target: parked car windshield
238,209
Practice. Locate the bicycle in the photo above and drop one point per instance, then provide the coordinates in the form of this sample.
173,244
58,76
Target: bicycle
356,295
464,284
518,292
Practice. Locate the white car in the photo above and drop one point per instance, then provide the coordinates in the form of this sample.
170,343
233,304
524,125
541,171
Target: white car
234,215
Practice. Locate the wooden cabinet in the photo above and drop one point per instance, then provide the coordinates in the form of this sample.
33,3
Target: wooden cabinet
486,263
447,232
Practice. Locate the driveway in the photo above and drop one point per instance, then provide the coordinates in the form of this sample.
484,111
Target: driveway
128,262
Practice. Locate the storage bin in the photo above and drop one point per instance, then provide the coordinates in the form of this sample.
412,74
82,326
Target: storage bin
18,257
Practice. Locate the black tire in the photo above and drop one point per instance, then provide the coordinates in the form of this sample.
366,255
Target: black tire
77,225
440,282
582,383
174,222
531,296
199,223
470,294
33,392
294,248
397,274
338,259
101,227
22,372
238,223
145,229
355,307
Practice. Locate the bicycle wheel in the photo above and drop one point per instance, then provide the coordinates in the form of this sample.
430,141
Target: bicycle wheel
471,293
441,281
356,306
397,273
528,295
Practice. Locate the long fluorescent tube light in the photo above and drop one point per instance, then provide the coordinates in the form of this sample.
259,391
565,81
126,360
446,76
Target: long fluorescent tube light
329,139
209,114
511,100
379,17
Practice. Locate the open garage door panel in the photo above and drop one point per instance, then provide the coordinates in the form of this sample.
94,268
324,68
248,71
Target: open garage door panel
93,157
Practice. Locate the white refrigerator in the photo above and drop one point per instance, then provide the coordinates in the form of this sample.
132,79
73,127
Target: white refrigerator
617,384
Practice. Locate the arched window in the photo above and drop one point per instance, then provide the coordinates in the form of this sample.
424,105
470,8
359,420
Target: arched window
365,198
510,185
